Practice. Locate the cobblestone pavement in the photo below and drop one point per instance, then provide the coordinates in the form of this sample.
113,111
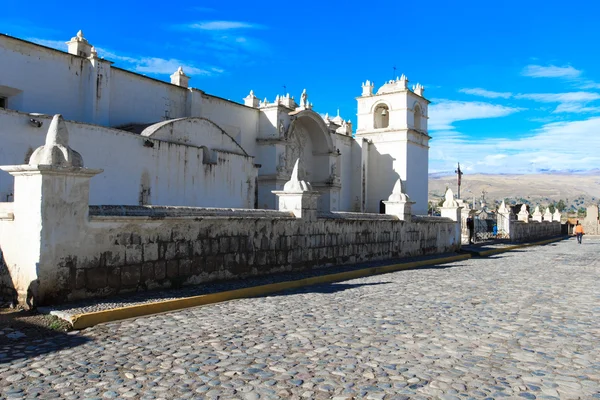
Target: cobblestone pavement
522,324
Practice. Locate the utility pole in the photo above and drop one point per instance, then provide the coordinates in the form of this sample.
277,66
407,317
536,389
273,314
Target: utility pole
459,173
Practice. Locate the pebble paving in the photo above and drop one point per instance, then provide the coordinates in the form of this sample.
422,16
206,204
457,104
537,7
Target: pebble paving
521,325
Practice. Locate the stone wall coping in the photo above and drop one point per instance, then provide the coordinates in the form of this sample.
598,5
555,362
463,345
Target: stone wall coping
104,212
49,170
356,216
431,219
6,211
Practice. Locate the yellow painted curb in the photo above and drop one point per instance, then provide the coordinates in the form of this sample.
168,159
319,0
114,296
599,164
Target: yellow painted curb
517,246
81,321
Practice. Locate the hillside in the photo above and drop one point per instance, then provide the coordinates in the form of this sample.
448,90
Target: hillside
576,190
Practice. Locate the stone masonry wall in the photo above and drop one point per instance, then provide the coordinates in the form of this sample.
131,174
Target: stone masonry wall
144,249
526,231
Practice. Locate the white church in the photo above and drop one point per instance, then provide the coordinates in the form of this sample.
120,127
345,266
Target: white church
166,143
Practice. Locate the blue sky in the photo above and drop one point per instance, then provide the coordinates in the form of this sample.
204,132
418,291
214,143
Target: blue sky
515,86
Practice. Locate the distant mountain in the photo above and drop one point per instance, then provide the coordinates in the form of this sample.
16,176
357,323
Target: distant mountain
576,189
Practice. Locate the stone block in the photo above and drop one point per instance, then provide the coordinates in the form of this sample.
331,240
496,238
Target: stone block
150,251
183,250
136,239
206,246
198,265
282,257
234,244
197,248
171,251
147,271
95,278
211,264
160,270
214,246
79,278
114,258
133,254
172,269
261,258
224,245
123,239
185,267
264,243
114,277
130,275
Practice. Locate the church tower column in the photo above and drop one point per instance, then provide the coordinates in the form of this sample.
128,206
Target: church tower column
394,121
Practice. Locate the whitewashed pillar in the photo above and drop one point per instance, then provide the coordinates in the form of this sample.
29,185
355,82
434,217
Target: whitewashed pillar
399,203
523,214
537,214
50,207
548,215
450,208
556,216
298,197
503,220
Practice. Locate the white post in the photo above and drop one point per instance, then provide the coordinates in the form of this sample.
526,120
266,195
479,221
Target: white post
50,208
399,203
298,197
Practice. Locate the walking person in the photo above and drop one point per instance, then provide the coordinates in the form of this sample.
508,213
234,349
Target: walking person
579,232
471,228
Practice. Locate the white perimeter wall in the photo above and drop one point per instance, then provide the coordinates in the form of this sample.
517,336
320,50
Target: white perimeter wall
138,99
239,121
175,173
49,81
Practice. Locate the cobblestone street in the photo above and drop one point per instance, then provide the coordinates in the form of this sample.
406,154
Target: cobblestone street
523,324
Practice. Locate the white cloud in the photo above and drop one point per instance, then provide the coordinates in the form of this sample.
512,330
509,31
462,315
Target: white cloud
551,71
572,102
445,112
575,108
570,97
544,149
224,25
486,93
55,44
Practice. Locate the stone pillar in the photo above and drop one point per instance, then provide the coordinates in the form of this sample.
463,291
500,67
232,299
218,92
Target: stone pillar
79,46
399,203
50,208
523,214
537,214
298,197
450,208
251,100
503,220
548,215
556,216
179,78
465,212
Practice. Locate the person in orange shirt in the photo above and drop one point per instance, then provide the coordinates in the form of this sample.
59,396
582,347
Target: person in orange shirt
579,232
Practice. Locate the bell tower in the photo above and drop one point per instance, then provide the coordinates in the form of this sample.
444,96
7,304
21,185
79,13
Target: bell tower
392,123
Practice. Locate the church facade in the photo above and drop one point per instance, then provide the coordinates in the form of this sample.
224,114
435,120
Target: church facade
165,143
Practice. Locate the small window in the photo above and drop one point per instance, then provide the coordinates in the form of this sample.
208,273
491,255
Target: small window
3,102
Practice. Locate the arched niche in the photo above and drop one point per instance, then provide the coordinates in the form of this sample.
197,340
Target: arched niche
310,141
418,114
381,116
